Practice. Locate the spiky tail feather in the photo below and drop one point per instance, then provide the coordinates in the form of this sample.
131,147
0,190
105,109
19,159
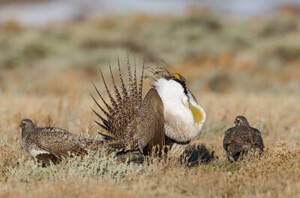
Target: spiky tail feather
121,108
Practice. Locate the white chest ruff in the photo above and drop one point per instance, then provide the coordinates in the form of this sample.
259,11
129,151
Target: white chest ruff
179,129
179,121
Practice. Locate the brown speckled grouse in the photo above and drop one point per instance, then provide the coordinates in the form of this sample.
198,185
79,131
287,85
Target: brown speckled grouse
241,139
52,144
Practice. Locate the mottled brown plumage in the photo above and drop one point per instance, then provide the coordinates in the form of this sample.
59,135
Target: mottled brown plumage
148,124
241,139
131,122
52,144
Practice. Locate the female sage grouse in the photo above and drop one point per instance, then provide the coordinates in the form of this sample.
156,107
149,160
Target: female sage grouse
52,143
242,138
168,114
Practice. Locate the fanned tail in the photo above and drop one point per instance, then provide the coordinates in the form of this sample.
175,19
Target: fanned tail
124,91
122,107
108,92
141,83
135,82
117,93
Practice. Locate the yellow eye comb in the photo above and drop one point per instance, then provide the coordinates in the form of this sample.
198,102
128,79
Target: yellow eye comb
177,76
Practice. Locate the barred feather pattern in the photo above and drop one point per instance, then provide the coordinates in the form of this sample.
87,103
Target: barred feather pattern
121,108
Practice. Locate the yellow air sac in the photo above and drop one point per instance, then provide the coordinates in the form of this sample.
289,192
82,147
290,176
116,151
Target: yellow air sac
197,114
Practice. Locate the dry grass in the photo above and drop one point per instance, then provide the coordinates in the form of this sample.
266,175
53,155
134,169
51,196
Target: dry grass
275,174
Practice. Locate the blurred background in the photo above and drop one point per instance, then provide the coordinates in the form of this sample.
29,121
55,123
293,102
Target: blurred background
52,47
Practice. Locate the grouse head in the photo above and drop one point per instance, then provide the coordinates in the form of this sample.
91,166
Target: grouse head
27,124
241,121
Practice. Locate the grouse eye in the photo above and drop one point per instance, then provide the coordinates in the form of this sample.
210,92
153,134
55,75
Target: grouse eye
177,76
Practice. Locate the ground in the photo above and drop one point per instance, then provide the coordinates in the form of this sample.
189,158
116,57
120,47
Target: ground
46,75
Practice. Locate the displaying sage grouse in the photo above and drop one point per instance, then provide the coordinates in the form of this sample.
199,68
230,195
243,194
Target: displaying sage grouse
184,117
241,139
169,114
52,144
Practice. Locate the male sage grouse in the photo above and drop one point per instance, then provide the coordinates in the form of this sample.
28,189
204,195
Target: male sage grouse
241,139
184,117
168,115
52,144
